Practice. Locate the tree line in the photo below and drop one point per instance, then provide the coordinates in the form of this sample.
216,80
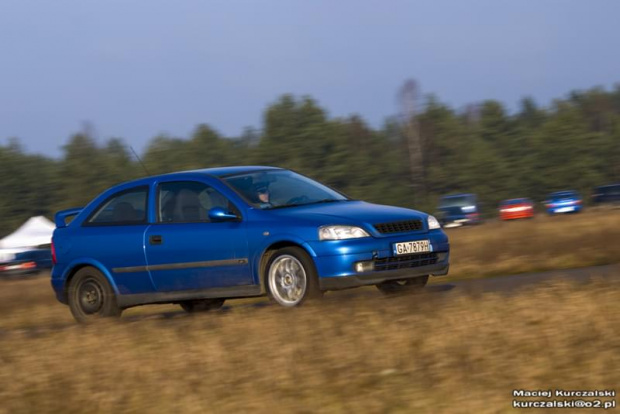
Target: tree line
574,143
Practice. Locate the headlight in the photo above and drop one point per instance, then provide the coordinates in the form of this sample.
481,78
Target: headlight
433,223
341,232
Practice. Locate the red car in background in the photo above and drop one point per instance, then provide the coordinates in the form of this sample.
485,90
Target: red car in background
516,208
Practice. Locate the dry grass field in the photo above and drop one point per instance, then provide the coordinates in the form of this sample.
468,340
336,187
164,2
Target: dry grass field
428,353
446,352
543,243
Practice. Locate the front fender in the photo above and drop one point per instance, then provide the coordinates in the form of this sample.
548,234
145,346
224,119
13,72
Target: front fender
264,245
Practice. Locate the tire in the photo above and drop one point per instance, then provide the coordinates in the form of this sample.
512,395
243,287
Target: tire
392,287
291,277
91,297
202,305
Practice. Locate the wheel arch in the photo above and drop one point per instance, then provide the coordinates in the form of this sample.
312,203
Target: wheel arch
77,265
266,254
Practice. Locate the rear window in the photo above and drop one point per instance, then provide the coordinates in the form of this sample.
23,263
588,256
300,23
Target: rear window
124,208
515,201
564,194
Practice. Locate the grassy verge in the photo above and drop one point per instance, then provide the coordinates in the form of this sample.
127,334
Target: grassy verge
544,243
448,352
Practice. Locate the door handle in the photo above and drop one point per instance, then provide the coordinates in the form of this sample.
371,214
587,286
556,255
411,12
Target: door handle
156,239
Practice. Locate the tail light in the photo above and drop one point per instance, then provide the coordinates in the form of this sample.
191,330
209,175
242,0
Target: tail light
53,253
19,266
28,265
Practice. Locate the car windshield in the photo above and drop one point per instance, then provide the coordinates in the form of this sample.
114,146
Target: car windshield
457,201
515,201
564,194
270,189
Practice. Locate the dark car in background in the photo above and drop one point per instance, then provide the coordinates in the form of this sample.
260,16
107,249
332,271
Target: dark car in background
607,195
27,262
562,202
459,209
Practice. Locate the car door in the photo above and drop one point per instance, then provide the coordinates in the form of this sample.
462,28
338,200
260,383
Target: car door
185,250
113,235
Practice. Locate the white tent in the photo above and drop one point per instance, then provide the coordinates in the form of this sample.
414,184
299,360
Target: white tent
34,232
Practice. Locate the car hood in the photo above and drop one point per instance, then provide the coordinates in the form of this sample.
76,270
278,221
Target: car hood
350,212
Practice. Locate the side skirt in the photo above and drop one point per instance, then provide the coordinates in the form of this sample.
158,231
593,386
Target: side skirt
127,301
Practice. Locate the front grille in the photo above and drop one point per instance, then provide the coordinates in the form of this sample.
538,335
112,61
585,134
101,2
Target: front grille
399,226
406,261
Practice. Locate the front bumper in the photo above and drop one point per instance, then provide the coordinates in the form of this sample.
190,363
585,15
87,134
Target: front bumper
457,221
19,272
374,278
337,261
565,209
516,216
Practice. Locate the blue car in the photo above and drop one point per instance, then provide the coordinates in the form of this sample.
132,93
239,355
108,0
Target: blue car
563,202
197,238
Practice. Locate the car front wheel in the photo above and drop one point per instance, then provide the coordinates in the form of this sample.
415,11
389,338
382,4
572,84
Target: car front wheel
291,277
403,286
91,297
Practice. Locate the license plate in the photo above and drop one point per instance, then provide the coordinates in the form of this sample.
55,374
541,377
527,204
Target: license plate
564,209
419,246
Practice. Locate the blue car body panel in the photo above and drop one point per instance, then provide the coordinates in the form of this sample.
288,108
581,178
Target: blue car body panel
152,258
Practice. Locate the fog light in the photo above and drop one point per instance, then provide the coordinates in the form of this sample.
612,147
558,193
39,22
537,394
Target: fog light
441,256
361,267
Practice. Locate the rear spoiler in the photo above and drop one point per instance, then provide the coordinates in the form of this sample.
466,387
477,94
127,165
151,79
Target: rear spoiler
61,217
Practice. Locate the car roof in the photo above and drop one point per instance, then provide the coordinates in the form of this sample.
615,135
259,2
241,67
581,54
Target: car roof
564,192
608,186
189,174
214,172
458,195
515,200
224,171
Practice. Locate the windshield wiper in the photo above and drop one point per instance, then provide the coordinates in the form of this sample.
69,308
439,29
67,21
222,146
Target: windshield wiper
285,205
326,200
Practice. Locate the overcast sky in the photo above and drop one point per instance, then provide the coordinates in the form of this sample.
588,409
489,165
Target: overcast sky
138,68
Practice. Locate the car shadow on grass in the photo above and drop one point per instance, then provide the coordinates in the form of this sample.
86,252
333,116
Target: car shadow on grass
262,303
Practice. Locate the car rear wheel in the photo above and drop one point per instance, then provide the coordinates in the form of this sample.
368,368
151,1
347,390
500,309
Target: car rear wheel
203,305
391,287
91,297
291,277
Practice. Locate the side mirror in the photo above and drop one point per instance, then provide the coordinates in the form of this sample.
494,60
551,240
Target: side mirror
219,214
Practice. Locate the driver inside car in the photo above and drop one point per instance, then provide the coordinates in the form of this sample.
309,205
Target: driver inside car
262,194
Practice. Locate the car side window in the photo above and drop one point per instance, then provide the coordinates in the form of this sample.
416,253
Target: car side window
124,208
189,202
